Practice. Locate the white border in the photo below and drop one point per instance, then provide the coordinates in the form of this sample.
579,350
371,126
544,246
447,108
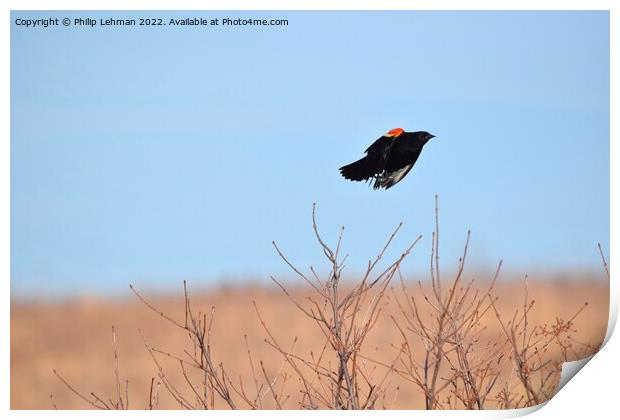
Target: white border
594,393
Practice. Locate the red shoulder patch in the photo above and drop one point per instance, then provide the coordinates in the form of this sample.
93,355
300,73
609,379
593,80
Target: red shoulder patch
394,132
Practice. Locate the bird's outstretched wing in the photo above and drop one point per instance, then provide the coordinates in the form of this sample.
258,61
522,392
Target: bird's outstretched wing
372,164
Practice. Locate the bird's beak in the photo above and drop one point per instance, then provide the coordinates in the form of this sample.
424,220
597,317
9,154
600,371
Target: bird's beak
431,136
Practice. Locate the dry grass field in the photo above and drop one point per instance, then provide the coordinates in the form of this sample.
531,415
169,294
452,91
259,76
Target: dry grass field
75,338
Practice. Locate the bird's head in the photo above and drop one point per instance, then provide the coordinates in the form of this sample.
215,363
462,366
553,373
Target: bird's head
394,132
426,136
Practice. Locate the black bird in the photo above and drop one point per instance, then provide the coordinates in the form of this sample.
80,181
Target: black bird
388,159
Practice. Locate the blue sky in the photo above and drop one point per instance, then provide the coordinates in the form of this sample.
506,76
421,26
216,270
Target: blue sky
152,155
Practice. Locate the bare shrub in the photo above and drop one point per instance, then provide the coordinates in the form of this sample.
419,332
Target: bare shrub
531,349
455,369
214,380
445,347
460,369
345,319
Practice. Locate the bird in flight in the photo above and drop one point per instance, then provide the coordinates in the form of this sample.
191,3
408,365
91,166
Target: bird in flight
388,159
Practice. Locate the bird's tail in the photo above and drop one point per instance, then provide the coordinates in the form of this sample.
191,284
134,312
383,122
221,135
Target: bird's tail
359,170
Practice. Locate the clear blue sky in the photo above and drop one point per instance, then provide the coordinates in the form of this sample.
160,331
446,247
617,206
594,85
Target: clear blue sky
152,155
